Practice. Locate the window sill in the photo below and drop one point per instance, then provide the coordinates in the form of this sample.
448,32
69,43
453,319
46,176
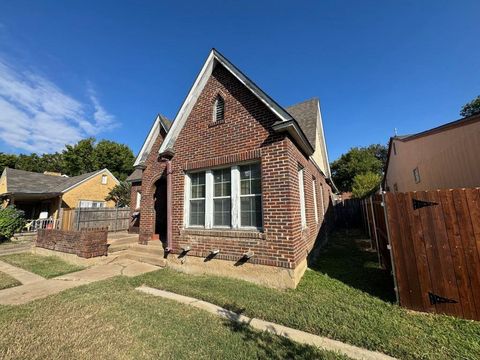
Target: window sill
240,233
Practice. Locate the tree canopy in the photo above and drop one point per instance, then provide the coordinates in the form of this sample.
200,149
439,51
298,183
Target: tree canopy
363,184
471,108
358,161
85,156
120,194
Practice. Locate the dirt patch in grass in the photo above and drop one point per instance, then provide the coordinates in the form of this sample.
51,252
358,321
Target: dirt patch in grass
6,281
46,266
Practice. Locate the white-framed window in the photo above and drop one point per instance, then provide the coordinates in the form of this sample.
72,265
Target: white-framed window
416,175
219,109
322,201
224,198
104,179
222,202
301,190
250,196
314,188
138,200
197,199
91,204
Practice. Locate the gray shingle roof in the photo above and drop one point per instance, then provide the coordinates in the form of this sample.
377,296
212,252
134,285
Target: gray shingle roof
136,175
27,182
305,113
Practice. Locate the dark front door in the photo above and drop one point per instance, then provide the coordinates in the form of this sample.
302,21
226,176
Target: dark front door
160,204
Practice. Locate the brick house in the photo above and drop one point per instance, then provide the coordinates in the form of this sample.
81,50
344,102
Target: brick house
236,185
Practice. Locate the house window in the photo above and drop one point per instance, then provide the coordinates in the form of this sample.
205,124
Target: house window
91,204
301,190
138,200
229,197
416,175
322,200
250,196
314,188
218,109
104,179
222,214
197,199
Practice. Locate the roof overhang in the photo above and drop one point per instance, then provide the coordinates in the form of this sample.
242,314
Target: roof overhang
291,127
214,59
31,196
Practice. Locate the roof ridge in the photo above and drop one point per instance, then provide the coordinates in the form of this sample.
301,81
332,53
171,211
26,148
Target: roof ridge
304,101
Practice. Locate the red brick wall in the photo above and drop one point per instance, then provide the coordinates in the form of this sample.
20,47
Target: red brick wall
153,171
245,134
84,243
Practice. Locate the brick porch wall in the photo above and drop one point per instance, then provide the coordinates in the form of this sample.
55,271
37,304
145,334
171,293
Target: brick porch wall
84,243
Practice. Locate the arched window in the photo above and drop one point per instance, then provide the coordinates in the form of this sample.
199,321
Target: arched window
219,109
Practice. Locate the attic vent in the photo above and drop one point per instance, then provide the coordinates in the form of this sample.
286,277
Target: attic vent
219,109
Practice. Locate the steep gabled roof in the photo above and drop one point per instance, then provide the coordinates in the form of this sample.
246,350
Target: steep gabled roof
161,122
306,114
28,182
286,121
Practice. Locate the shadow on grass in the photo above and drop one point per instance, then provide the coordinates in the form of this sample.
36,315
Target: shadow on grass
276,347
344,260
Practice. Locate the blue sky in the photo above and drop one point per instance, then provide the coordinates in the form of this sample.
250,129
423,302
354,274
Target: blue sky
72,69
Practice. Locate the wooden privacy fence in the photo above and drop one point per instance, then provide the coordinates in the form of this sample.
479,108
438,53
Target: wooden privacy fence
115,219
435,247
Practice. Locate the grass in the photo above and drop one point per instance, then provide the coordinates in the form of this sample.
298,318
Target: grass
6,281
110,320
46,266
344,296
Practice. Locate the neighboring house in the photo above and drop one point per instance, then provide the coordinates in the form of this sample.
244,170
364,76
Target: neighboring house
235,178
43,195
445,157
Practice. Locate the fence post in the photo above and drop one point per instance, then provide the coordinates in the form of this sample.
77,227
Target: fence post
78,212
385,212
368,221
116,218
375,229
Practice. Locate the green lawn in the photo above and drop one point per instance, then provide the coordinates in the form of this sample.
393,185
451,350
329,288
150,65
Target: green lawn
46,266
344,296
6,281
111,320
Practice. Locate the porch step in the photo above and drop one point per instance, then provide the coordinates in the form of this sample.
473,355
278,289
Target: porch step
114,247
126,240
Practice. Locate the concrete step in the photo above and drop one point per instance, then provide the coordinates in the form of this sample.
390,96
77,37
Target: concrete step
114,247
152,259
126,240
147,250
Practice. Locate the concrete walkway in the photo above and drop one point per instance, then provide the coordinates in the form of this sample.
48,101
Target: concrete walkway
302,337
24,276
36,287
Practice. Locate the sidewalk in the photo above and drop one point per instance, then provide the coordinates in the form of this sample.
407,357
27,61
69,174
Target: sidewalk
299,336
36,287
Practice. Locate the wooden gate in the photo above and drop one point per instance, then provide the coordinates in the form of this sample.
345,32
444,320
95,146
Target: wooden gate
435,240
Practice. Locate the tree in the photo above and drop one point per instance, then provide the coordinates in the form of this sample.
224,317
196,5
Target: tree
118,158
30,162
358,160
80,158
471,108
7,160
120,194
363,184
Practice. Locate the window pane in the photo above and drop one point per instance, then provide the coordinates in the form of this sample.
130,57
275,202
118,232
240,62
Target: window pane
251,211
221,179
256,187
244,187
198,185
221,212
197,212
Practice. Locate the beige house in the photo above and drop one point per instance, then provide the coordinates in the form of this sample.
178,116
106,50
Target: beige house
445,157
43,195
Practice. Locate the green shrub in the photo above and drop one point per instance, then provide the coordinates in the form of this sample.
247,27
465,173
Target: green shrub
11,221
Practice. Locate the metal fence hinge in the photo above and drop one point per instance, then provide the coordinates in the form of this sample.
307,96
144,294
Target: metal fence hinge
418,204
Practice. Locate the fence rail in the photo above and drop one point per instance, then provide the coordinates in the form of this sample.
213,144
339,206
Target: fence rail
33,225
431,241
115,219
